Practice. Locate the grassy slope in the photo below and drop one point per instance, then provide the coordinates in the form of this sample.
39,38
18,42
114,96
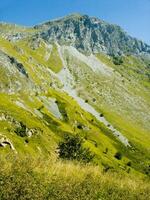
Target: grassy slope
114,91
54,129
135,72
131,117
97,133
73,117
57,180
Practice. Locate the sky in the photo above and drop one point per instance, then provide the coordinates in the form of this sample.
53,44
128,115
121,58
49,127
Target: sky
132,15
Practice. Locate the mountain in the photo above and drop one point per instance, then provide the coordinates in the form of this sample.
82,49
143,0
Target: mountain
88,34
76,75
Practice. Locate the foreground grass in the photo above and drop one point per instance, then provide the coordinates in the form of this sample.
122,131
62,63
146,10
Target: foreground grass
57,180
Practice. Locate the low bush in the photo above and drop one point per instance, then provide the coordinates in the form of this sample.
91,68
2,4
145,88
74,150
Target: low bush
118,156
21,130
117,60
72,149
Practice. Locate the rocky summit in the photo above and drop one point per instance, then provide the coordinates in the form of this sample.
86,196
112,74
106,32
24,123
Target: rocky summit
89,34
76,77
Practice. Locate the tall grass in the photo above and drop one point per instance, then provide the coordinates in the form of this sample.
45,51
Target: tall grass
52,179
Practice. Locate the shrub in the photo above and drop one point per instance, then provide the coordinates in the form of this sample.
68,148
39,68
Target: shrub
21,130
26,140
118,156
79,126
129,163
106,151
117,60
71,149
147,170
94,100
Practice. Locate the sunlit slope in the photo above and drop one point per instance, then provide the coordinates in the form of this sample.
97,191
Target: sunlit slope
122,88
38,108
46,111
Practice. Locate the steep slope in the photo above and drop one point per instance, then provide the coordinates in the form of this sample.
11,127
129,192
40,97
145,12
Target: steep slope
52,85
14,32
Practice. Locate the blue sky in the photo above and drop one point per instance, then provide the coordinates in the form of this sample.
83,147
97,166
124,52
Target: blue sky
132,15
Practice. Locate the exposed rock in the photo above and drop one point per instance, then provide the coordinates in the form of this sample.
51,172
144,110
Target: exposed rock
18,65
20,128
23,131
5,141
89,34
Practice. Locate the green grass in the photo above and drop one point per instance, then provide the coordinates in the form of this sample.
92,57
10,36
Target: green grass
54,61
57,180
96,137
125,91
132,67
38,73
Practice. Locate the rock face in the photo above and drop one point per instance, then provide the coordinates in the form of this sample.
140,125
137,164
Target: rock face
89,34
18,65
4,142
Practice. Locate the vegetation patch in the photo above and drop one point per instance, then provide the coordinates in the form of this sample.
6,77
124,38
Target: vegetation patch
118,156
117,60
72,149
54,61
21,130
55,180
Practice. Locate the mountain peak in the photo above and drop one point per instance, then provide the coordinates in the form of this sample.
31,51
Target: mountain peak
73,16
92,35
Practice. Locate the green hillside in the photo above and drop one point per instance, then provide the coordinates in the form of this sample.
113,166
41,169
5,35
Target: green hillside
51,89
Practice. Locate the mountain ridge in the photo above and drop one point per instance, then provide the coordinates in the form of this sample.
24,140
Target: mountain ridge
89,34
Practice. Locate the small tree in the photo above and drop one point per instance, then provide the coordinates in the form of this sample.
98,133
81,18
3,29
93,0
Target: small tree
71,149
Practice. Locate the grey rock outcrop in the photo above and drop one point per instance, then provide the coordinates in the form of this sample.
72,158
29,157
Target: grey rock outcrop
5,141
91,35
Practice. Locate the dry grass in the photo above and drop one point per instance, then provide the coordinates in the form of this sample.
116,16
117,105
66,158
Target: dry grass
56,180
